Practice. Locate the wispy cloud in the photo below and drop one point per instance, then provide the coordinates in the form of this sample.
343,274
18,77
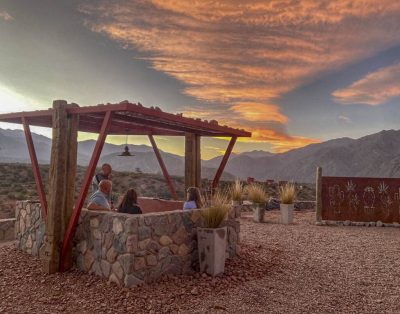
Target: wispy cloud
6,16
345,119
248,54
374,89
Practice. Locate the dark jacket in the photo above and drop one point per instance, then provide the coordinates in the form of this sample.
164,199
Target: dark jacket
133,209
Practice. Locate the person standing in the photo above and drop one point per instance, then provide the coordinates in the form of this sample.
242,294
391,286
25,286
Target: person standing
105,174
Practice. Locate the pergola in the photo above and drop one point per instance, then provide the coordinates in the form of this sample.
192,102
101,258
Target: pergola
60,209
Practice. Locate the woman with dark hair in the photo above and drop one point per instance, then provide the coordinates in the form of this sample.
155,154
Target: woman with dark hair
129,203
193,199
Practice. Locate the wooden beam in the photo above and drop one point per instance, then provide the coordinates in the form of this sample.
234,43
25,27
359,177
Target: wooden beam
35,167
167,177
72,140
318,196
66,244
192,160
223,162
59,176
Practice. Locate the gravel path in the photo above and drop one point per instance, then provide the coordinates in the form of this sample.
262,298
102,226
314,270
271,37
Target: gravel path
300,268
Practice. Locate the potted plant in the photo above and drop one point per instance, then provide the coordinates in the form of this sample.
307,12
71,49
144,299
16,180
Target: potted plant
236,192
212,239
258,196
288,194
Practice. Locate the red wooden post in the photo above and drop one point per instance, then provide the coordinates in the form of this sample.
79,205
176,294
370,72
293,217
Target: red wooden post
223,162
35,167
85,188
163,168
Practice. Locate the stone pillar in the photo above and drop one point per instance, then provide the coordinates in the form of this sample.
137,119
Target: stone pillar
61,182
192,160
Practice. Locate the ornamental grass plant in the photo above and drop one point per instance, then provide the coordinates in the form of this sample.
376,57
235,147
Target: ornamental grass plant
216,211
257,193
236,191
288,193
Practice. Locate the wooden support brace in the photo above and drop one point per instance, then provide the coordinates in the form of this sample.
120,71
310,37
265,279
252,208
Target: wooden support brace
66,245
167,177
35,167
223,162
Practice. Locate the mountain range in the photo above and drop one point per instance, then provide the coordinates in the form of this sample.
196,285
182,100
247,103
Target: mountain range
375,155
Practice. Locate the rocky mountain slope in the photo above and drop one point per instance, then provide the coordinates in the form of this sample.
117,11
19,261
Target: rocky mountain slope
375,155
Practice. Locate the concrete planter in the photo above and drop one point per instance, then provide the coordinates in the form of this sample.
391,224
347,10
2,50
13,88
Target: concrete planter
212,249
258,212
287,213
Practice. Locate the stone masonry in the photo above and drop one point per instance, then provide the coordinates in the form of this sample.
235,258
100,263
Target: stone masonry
29,227
129,249
7,232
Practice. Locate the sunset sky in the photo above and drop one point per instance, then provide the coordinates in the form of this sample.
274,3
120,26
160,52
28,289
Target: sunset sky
292,72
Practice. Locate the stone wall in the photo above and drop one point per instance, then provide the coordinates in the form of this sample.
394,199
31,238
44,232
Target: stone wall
7,232
129,249
29,227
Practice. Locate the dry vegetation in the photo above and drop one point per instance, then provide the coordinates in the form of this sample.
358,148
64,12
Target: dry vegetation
257,193
287,193
17,183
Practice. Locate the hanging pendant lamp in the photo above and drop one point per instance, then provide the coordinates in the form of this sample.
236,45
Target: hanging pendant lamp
126,152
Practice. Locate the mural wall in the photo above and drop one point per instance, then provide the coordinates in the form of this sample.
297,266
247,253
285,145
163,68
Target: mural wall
361,199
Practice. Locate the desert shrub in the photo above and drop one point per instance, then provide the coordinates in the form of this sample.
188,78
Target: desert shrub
256,193
236,190
217,210
287,193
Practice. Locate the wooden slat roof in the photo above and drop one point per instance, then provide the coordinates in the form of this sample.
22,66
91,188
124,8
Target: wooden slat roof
132,119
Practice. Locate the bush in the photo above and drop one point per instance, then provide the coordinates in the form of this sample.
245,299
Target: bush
256,193
287,193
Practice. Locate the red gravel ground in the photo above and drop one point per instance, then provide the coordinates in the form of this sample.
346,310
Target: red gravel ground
301,268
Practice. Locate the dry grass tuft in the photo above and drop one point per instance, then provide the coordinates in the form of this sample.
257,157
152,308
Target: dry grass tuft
236,191
288,193
256,193
216,211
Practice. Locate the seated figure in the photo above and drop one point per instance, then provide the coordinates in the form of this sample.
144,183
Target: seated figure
99,199
129,204
193,199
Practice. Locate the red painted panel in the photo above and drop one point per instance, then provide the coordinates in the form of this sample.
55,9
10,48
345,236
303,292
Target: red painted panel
361,199
155,205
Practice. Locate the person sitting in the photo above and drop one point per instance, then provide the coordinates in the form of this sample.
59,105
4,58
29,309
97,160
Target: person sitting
129,204
193,199
99,199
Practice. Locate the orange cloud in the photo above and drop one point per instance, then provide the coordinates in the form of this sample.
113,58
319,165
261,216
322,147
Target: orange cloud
260,112
374,89
280,142
247,54
6,16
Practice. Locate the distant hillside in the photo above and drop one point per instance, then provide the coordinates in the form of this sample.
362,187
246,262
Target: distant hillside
376,155
18,183
13,149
